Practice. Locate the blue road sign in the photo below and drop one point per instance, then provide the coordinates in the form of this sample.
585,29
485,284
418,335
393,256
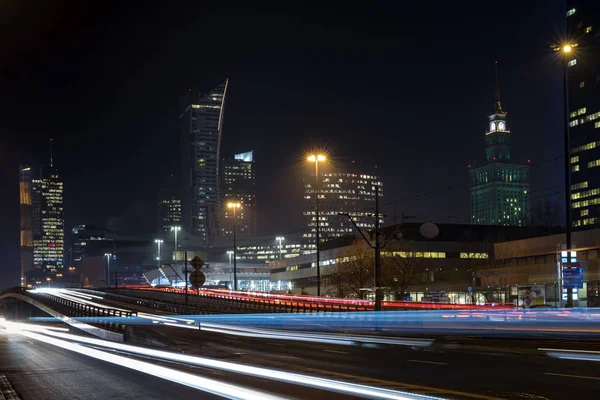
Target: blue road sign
573,275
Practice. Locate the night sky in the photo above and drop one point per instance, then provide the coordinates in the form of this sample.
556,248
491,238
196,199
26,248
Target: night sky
404,88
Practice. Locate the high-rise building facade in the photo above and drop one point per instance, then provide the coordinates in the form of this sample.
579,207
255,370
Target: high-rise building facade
350,192
583,69
238,184
26,218
201,129
48,229
500,187
169,214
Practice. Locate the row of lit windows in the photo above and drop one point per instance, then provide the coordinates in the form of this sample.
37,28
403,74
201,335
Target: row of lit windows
587,193
581,111
587,146
581,185
588,118
586,203
593,164
586,221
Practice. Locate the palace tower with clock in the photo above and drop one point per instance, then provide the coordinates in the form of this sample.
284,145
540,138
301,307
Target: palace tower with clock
499,188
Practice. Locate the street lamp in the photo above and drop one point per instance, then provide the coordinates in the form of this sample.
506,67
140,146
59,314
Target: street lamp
565,51
280,238
107,255
175,229
158,243
234,206
316,158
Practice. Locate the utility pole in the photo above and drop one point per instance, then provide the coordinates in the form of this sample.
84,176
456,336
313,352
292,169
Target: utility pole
186,279
378,294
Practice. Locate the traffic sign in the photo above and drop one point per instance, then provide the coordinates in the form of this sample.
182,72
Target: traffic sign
197,279
573,275
197,263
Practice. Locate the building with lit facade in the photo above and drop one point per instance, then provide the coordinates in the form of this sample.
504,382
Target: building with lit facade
238,184
26,220
169,214
583,65
48,230
499,188
201,123
347,191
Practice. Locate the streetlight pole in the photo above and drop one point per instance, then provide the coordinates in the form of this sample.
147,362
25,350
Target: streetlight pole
279,238
565,50
158,243
175,229
107,255
316,158
234,206
229,253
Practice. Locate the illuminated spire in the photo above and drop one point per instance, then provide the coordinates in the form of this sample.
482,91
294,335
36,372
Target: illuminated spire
498,104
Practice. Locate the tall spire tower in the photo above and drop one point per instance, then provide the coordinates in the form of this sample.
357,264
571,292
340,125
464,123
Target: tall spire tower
499,187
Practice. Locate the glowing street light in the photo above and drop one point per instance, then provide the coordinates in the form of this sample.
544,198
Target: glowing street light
175,229
107,255
566,50
234,206
316,158
280,239
158,243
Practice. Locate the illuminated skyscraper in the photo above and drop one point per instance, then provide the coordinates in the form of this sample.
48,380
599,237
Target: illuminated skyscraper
238,184
499,187
583,22
47,223
169,214
201,128
340,191
26,213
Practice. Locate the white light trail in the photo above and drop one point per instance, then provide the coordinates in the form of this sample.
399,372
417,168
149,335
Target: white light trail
197,382
566,354
265,373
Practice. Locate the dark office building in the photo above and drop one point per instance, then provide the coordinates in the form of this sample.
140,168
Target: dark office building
26,220
201,121
583,67
499,187
238,184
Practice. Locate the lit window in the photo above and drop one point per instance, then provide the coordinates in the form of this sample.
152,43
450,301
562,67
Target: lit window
574,159
582,111
575,168
588,29
592,164
572,62
573,114
582,84
597,125
585,212
573,123
571,12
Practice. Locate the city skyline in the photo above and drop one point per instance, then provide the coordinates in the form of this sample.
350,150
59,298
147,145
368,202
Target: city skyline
281,130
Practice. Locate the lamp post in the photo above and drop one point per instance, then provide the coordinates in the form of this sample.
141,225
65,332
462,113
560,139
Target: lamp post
234,206
280,239
158,243
316,158
107,255
175,229
566,50
230,253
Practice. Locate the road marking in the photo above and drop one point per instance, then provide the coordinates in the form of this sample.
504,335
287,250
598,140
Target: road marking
411,386
428,362
573,376
337,351
7,392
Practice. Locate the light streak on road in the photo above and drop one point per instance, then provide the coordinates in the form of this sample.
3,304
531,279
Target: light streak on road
197,382
313,337
264,373
566,354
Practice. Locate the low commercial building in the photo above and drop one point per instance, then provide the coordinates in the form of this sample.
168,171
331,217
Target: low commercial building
443,268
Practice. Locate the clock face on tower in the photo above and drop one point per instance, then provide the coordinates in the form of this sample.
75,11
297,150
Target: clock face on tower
501,125
492,127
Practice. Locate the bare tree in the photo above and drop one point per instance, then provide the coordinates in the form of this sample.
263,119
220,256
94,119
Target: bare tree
352,273
545,214
400,269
